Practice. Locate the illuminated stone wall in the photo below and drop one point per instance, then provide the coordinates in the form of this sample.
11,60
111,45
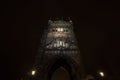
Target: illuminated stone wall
58,49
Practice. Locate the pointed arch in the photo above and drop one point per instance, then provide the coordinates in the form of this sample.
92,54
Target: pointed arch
71,67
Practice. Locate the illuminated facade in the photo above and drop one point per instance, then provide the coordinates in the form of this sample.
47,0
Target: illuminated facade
58,48
60,37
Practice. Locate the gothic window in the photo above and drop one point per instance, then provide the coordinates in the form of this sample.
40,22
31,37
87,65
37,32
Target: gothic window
47,46
66,45
53,30
60,29
66,30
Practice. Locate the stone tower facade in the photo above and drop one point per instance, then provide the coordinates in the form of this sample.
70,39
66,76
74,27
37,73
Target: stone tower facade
58,48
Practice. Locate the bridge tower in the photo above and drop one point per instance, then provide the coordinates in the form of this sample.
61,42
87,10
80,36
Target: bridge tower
58,49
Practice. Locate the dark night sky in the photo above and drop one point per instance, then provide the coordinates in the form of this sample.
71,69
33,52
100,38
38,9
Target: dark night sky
96,25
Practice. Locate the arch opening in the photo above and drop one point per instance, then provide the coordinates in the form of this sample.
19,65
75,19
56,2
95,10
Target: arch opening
64,67
60,74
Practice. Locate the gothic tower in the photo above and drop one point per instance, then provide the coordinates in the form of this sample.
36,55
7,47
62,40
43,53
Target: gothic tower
58,49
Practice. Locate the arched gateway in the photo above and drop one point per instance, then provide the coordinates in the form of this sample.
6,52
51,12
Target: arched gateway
60,74
69,67
58,54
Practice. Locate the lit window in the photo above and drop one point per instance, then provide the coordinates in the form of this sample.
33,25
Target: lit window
61,42
60,29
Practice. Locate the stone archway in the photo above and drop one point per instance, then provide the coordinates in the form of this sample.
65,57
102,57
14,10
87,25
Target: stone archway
70,67
60,74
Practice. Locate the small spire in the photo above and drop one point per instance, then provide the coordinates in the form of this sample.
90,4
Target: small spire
50,18
62,18
69,18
